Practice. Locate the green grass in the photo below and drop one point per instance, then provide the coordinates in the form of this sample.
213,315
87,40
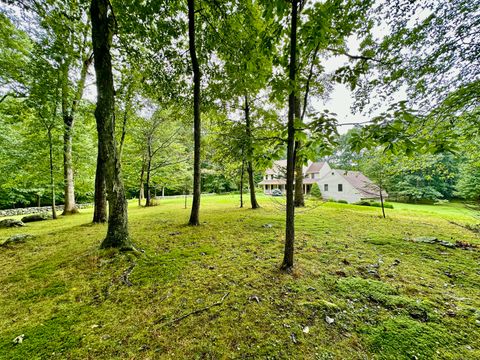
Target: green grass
390,298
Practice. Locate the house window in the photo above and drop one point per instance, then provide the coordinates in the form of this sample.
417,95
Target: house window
325,187
340,187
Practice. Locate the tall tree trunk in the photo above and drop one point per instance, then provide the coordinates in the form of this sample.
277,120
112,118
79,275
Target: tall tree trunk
381,202
148,201
248,129
194,215
69,122
102,31
100,206
299,198
287,263
141,193
69,186
52,178
242,173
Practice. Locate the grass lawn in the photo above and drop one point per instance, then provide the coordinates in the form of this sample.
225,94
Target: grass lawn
215,291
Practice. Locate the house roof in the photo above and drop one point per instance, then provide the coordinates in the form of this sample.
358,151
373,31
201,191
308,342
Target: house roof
359,181
315,167
272,182
278,166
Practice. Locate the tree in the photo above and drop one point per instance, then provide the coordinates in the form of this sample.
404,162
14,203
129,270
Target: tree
194,215
103,22
287,263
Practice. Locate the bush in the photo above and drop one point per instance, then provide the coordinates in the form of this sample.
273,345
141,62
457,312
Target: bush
378,204
342,201
374,203
315,192
363,203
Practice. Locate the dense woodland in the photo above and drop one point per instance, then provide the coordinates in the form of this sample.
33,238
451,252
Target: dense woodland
108,100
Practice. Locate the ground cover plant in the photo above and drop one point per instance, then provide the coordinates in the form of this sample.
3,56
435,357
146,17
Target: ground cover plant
360,290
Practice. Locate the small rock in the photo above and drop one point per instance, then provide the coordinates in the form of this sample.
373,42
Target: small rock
268,226
105,337
254,298
95,326
35,217
306,330
19,339
329,320
294,338
468,347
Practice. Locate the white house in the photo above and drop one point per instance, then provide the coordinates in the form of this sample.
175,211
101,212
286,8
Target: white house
335,184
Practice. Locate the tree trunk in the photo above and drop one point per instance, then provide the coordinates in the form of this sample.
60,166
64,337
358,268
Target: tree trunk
194,215
69,186
52,178
102,31
148,201
381,202
100,207
69,121
287,263
248,129
39,203
299,198
242,172
141,193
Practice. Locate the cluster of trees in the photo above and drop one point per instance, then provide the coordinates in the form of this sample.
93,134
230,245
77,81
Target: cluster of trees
226,87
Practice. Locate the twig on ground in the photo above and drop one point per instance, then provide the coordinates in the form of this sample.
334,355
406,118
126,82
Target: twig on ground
174,321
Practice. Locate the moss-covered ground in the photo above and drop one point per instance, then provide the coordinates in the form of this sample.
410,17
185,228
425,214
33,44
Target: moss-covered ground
359,290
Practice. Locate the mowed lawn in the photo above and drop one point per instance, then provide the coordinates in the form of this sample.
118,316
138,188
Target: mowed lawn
360,289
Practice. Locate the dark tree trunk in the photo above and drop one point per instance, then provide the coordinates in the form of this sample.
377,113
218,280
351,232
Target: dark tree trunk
251,183
52,178
148,198
194,215
102,31
299,198
381,202
100,206
287,263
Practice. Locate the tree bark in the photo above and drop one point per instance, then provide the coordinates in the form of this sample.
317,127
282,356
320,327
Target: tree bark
141,193
52,178
248,129
69,121
100,207
381,202
102,32
194,215
242,173
287,263
148,198
299,198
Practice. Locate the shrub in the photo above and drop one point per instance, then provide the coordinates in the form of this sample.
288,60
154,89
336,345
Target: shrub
363,203
374,203
342,201
378,204
315,192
